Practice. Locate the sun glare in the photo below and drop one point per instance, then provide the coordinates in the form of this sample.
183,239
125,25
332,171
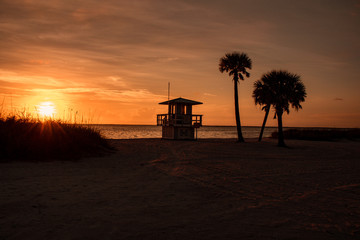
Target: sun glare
46,109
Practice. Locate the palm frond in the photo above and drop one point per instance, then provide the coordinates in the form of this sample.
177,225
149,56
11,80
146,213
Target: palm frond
236,64
280,89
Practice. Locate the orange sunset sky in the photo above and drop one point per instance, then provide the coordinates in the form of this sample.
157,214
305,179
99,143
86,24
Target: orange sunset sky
111,60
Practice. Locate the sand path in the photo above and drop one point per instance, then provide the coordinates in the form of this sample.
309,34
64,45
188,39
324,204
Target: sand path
208,189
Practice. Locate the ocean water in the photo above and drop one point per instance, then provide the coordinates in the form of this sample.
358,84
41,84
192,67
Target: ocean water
147,131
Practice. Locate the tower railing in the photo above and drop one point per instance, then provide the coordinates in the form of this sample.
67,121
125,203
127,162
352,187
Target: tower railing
179,120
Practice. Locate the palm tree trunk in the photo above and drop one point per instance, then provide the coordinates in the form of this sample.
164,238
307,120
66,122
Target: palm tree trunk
237,113
267,110
281,142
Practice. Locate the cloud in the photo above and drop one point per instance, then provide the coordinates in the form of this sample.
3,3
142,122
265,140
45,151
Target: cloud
209,95
9,77
122,51
338,99
101,94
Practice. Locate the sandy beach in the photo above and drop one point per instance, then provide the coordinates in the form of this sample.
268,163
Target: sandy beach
206,189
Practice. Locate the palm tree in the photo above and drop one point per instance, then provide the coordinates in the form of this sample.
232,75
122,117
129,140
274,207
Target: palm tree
236,64
282,90
262,96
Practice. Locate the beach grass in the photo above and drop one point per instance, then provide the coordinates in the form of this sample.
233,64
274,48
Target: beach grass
321,134
28,138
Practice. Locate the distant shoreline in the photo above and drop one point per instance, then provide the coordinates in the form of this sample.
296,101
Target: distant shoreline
114,131
154,125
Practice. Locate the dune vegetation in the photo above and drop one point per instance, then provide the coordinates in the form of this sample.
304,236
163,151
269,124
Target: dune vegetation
28,138
325,134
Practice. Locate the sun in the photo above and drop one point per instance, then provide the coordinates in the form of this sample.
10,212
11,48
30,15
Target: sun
46,109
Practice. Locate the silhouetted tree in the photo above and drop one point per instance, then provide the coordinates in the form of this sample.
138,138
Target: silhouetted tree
262,96
236,64
282,89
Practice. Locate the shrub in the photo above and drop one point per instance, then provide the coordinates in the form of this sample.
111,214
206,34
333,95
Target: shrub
26,138
320,134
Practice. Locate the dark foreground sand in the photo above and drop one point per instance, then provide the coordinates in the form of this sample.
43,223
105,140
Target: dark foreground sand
209,189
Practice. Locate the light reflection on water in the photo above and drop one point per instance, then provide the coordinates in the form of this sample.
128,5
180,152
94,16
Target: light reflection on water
145,131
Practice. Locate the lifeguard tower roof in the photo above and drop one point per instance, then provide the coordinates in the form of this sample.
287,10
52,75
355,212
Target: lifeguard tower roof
181,100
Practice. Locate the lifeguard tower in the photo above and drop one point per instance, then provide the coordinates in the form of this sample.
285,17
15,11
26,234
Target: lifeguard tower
179,122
